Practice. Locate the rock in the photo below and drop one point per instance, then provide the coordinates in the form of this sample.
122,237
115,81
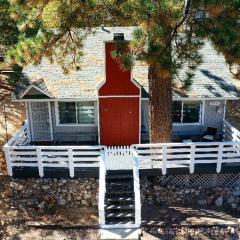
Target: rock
45,187
219,202
41,205
201,202
236,193
230,199
61,202
233,205
232,231
69,197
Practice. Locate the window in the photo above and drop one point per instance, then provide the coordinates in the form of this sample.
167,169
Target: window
186,112
76,113
67,112
86,112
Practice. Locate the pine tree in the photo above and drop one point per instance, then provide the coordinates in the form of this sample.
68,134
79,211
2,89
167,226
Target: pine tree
169,35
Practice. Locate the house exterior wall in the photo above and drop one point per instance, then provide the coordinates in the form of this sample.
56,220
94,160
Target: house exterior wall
213,114
212,117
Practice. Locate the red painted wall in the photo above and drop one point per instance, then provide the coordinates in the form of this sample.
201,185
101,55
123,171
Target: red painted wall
118,82
119,117
119,121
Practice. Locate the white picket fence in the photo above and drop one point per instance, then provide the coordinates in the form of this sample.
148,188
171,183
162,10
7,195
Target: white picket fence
119,157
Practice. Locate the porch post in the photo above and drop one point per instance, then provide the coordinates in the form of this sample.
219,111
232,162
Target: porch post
70,161
192,157
164,159
8,160
40,164
219,160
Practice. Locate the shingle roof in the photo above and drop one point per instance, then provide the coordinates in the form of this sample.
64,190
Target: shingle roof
212,78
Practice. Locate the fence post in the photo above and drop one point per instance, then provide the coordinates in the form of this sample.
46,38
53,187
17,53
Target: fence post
192,158
219,160
164,159
70,161
40,163
8,160
137,194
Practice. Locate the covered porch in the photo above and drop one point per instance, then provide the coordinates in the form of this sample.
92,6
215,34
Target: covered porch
186,156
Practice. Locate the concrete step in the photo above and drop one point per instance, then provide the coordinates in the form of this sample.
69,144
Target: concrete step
120,234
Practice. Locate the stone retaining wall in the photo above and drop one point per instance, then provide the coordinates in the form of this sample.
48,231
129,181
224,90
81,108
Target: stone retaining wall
44,194
154,191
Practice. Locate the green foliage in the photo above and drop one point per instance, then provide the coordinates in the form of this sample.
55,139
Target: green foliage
168,34
9,34
8,28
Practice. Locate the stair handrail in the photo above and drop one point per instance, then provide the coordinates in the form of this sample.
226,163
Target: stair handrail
137,194
102,186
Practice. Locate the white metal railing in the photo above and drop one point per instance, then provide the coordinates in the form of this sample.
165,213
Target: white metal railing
102,188
230,133
137,194
41,157
187,155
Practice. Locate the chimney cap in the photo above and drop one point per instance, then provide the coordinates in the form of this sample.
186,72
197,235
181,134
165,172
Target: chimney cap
118,37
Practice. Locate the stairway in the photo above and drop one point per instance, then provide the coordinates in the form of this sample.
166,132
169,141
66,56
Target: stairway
119,198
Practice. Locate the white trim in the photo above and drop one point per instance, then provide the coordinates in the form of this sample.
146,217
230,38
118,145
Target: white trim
224,109
36,88
50,120
56,100
95,99
203,111
140,119
58,124
200,99
29,122
98,112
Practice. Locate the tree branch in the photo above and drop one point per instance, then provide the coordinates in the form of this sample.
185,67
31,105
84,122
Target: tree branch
174,32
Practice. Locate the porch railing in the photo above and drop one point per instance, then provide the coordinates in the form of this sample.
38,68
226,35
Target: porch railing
19,153
70,157
187,155
230,133
21,137
102,188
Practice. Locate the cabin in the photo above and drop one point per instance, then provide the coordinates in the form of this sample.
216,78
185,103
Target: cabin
96,120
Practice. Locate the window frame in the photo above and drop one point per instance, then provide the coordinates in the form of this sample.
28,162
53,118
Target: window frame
193,123
58,124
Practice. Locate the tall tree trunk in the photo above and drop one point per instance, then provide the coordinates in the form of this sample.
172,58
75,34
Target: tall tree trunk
160,105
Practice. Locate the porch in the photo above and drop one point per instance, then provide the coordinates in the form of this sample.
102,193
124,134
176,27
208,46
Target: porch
163,158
